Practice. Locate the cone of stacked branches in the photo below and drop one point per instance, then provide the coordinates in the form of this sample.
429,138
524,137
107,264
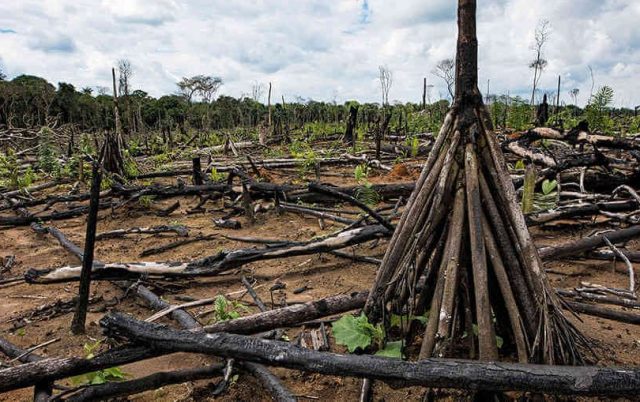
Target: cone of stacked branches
464,233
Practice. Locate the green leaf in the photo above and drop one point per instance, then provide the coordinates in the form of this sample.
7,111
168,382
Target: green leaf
392,349
98,379
548,186
351,332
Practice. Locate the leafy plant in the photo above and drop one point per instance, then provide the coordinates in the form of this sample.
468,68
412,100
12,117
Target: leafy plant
400,321
596,111
357,332
365,192
361,172
216,176
146,201
47,160
548,186
111,374
225,309
547,199
130,166
10,172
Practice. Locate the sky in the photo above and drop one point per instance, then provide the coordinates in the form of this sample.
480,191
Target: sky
325,50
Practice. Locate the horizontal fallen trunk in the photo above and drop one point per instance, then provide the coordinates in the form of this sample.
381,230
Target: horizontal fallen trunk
153,381
43,390
225,260
603,312
208,266
291,315
575,211
588,243
180,230
49,370
436,373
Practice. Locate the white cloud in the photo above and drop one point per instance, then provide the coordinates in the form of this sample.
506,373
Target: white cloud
316,48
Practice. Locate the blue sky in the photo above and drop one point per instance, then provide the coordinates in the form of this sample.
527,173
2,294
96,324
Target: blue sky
319,49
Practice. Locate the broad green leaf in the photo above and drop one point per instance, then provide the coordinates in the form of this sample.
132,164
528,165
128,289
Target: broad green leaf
548,186
392,349
350,332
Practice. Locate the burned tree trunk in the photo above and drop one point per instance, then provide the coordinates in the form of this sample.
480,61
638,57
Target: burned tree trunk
349,135
113,158
464,232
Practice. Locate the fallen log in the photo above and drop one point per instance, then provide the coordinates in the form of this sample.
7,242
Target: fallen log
180,230
588,243
314,187
43,390
291,315
579,210
27,220
187,321
436,373
603,312
153,381
51,369
208,266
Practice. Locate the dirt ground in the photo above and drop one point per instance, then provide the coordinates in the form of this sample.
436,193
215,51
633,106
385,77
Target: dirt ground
617,343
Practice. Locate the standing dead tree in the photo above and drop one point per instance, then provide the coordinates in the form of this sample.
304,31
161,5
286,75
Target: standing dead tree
125,72
386,80
539,63
445,69
113,158
463,233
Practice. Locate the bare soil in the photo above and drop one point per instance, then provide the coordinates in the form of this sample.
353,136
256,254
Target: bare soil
616,343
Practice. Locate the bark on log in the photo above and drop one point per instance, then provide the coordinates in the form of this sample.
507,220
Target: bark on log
208,266
42,391
588,243
603,312
153,381
436,373
49,370
291,315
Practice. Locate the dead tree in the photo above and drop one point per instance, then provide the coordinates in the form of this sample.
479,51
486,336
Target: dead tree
464,232
113,158
349,135
542,115
79,318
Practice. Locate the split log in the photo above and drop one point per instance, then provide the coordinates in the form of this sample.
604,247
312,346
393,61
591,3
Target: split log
436,373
